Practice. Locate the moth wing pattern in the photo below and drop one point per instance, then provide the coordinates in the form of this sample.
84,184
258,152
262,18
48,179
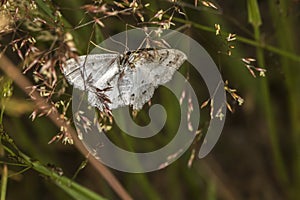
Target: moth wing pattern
94,65
85,74
132,86
121,85
152,72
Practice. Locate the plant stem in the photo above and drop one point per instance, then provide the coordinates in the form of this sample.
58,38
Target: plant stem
4,182
1,113
73,189
265,96
285,29
254,43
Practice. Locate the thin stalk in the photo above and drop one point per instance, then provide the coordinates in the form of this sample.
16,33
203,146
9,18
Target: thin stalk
4,182
144,183
73,189
248,41
4,170
286,27
1,114
254,19
270,117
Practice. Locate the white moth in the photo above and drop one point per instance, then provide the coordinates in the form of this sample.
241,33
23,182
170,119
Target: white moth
127,79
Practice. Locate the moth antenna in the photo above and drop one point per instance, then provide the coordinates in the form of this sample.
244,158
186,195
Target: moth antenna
104,49
120,43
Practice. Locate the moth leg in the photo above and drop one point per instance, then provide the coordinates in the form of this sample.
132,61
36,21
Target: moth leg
118,83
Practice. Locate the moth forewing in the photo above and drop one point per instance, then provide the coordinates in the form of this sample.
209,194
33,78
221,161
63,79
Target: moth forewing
72,72
132,77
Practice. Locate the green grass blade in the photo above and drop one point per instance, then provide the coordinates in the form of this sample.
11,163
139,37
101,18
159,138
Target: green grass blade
4,182
253,13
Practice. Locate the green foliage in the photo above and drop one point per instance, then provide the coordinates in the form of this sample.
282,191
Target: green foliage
6,91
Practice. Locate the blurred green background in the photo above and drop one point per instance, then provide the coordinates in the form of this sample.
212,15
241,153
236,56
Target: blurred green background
258,153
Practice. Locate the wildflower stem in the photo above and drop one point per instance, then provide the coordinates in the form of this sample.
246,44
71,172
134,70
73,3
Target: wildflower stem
286,35
4,182
267,103
248,41
2,113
